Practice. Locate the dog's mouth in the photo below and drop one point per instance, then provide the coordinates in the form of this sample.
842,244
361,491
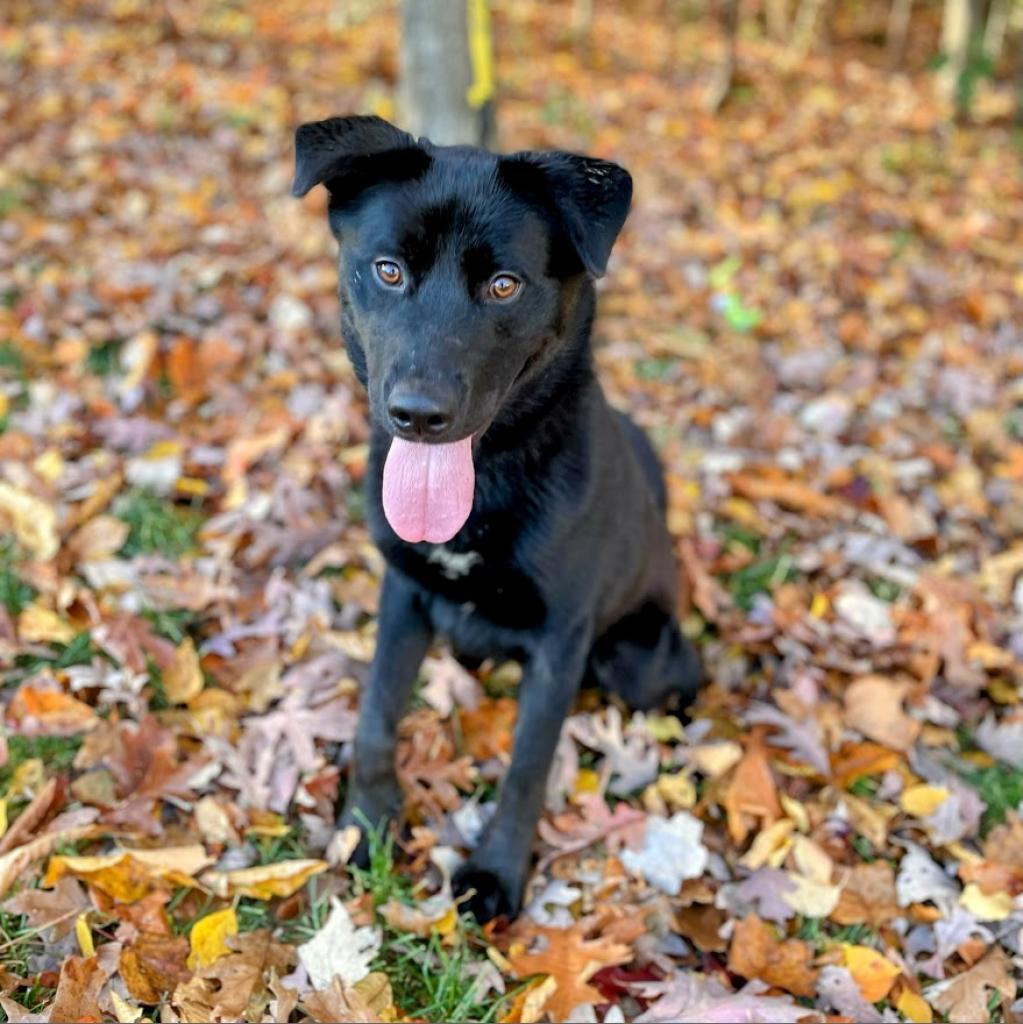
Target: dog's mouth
428,489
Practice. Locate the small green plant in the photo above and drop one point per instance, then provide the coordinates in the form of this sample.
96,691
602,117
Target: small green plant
1001,789
104,358
156,525
15,593
56,752
760,577
430,980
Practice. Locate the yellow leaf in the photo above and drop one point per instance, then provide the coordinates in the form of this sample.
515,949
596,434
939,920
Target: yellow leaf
913,1008
677,790
795,811
49,465
770,846
664,728
266,882
3,815
128,875
266,823
84,935
872,972
123,1010
922,801
28,778
33,521
447,924
819,605
40,625
586,782
995,906
209,938
183,680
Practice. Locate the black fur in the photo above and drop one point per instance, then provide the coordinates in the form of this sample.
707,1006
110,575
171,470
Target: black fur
566,560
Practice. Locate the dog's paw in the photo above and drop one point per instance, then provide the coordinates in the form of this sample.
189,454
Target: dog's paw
488,892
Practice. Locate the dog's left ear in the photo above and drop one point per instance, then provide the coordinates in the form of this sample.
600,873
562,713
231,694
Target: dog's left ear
591,196
347,154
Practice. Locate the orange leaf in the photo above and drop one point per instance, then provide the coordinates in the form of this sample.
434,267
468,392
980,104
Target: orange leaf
757,953
752,791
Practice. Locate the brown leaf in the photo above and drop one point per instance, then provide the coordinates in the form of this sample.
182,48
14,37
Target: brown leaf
54,908
964,998
757,953
571,959
868,896
224,988
182,679
77,997
350,1004
30,818
702,924
428,770
154,965
752,792
488,729
789,493
873,706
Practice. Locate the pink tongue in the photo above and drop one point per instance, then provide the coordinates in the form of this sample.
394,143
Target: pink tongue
428,489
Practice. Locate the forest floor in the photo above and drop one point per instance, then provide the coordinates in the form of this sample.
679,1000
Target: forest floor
815,310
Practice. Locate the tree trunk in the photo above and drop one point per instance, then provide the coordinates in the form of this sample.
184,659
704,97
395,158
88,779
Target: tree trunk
956,26
804,31
898,29
777,14
446,84
725,76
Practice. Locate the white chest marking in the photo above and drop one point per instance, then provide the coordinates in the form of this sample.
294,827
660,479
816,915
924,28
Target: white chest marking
454,563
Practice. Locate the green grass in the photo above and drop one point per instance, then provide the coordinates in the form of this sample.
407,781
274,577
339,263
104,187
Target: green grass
429,979
15,593
56,752
1001,789
174,624
865,787
12,359
885,590
759,577
156,525
104,358
18,942
79,651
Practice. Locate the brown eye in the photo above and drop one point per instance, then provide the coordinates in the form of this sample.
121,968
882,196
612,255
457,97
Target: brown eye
388,272
503,287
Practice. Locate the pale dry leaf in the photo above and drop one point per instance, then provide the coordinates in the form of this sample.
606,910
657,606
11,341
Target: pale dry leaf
339,949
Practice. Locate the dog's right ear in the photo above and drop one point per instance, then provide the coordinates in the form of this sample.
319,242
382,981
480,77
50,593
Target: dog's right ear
348,154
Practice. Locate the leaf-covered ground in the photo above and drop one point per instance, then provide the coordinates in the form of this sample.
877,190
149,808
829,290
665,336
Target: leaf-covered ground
815,309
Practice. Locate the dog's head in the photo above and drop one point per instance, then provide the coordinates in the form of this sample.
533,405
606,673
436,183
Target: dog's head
459,269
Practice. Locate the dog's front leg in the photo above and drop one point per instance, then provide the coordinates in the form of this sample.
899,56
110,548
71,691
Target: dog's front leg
497,871
403,635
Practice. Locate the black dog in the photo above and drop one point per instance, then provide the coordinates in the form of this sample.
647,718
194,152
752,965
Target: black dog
520,515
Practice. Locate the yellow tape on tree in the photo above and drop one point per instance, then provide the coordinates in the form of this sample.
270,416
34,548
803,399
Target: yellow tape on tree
481,53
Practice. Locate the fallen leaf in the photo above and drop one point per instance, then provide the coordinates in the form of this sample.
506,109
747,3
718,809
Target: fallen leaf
868,896
873,706
153,965
964,998
874,974
339,949
208,937
571,959
77,996
672,851
183,679
752,792
266,882
32,520
756,953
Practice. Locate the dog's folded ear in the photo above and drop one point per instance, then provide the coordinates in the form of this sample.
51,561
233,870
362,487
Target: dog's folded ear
591,196
347,154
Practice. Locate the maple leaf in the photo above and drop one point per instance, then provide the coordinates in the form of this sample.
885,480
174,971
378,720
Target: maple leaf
571,959
964,998
428,770
803,738
592,822
868,896
339,949
632,754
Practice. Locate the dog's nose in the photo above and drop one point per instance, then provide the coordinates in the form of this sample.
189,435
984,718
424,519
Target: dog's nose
416,414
